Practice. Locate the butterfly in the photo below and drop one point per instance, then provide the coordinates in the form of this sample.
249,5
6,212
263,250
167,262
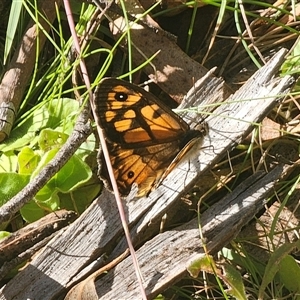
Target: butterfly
145,138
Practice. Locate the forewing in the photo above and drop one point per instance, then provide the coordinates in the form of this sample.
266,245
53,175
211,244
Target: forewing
132,117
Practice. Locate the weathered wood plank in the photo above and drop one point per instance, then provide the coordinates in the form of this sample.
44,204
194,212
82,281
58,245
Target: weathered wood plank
164,259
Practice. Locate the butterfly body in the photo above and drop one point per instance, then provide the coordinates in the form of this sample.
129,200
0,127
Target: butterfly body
144,137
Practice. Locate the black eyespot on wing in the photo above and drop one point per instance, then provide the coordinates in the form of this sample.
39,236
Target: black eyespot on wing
130,174
121,96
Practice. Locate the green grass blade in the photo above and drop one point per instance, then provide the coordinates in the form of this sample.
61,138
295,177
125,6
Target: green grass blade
14,17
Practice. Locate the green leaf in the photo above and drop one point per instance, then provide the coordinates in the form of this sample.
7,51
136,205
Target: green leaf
63,114
291,64
205,263
49,139
45,159
26,133
8,162
27,161
31,212
45,193
72,175
274,263
58,113
11,184
289,273
80,199
50,204
4,234
234,281
87,148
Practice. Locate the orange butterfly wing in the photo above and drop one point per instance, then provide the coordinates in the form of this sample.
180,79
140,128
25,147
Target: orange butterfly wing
143,135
